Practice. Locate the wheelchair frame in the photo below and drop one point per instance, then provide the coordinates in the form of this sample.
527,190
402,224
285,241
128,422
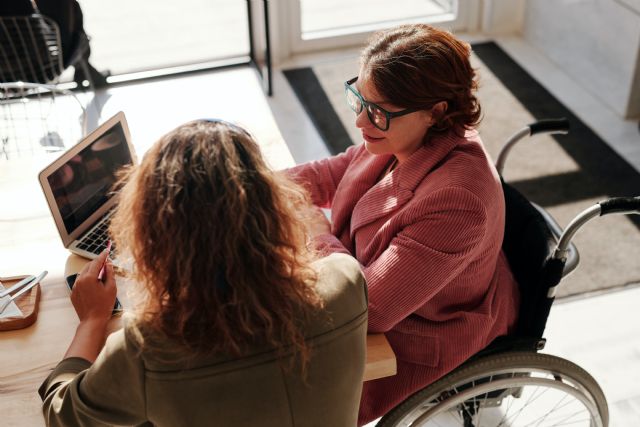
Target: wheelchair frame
473,395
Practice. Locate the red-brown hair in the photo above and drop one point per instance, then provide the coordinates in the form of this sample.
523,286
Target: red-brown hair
417,66
217,244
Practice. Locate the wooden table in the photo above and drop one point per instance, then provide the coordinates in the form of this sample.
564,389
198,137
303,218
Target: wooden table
381,361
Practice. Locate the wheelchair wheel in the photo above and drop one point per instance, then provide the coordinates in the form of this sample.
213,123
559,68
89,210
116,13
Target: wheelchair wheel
507,389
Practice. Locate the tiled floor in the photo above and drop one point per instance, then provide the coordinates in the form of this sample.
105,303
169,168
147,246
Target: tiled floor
622,135
599,332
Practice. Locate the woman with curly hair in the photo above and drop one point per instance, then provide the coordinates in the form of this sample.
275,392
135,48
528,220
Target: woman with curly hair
420,205
237,322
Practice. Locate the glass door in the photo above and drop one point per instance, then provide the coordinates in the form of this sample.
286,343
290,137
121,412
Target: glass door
129,37
322,24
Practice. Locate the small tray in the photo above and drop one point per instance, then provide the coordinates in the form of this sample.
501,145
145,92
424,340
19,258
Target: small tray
28,303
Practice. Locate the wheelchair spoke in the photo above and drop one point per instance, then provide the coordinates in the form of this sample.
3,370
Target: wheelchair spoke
563,421
556,407
507,390
506,412
513,417
478,411
463,406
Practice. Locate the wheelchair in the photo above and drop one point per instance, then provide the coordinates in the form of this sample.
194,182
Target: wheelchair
509,383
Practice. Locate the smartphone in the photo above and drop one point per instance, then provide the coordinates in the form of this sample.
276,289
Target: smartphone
71,280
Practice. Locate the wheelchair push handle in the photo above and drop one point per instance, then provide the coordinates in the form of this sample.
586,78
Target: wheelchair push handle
549,126
615,205
622,205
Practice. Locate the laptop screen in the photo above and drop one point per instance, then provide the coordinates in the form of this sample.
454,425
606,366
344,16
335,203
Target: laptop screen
83,183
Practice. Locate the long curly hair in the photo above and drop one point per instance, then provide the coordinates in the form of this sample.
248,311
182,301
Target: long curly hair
417,66
216,242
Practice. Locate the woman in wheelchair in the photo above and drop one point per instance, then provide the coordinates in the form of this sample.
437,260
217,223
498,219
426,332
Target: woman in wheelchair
421,207
238,323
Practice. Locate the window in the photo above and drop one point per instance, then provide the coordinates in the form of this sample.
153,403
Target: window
130,36
321,17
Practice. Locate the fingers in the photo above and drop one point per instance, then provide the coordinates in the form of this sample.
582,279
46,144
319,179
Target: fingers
90,271
92,298
109,278
95,265
109,283
84,269
92,268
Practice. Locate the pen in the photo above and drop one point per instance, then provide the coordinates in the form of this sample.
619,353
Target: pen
104,264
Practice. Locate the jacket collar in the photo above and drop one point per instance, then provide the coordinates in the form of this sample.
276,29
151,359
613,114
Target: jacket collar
397,188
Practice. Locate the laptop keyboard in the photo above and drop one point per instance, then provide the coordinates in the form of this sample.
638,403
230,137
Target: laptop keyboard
96,240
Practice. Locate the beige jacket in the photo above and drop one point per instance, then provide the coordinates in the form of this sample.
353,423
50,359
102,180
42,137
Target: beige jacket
130,384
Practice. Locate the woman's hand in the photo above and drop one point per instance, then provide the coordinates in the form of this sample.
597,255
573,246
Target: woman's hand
92,298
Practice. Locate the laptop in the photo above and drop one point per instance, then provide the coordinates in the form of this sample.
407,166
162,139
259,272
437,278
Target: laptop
78,186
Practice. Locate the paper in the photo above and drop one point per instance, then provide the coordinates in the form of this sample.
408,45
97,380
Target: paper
12,309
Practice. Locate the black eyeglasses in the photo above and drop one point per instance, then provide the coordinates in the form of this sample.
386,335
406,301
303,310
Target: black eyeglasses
378,116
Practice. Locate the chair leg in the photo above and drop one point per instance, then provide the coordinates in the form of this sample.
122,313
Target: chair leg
96,80
86,74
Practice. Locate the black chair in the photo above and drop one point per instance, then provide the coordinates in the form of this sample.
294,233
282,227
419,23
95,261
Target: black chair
33,49
38,114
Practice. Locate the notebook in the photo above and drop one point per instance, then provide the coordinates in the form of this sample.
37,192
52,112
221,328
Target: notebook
78,186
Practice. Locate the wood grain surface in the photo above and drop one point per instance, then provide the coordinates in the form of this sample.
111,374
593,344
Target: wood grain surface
28,303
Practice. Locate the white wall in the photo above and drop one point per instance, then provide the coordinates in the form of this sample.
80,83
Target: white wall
502,16
596,42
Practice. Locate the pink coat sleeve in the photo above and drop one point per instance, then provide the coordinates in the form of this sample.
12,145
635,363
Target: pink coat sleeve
321,177
424,256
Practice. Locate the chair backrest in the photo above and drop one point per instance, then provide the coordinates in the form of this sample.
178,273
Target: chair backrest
30,49
528,245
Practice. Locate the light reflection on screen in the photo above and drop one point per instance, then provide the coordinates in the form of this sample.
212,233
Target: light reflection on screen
83,184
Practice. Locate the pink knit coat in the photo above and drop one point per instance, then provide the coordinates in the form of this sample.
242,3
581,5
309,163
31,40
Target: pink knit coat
428,237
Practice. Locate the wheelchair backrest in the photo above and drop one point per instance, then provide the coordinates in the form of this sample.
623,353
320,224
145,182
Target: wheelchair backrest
528,244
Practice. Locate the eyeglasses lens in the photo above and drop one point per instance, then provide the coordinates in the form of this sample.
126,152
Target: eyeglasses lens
354,102
377,117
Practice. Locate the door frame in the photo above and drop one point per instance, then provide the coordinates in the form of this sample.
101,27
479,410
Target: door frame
466,17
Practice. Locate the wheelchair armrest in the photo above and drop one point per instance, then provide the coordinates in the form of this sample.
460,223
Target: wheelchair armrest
573,257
